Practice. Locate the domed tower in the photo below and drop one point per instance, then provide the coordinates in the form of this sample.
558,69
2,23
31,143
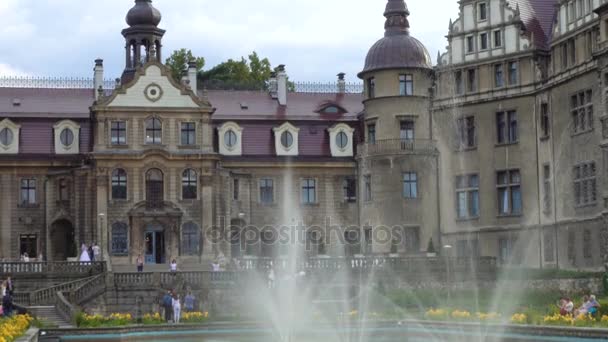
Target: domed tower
398,160
143,37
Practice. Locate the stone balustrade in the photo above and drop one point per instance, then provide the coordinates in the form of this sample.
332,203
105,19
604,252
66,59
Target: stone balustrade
88,290
47,296
50,268
166,280
397,146
66,310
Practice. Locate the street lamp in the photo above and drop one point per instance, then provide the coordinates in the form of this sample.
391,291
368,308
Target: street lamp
447,249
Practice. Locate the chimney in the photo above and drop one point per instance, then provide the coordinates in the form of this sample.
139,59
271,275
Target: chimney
341,83
272,85
192,75
98,77
282,85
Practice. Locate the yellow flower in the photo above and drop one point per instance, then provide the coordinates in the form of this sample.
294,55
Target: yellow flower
461,314
519,318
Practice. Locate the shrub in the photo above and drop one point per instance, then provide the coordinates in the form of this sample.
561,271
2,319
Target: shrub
195,317
519,318
13,327
154,318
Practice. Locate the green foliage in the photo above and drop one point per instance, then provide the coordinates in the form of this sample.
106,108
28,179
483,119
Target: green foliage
178,62
251,73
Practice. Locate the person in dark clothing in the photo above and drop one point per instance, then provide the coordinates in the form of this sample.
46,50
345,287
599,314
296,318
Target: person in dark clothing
10,287
7,305
168,305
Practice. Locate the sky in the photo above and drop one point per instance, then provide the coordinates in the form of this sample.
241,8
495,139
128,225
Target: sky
316,39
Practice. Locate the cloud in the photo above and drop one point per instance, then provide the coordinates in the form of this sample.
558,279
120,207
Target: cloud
7,70
314,38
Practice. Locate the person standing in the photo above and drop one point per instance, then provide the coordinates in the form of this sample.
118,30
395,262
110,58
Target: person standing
168,306
177,309
140,263
189,302
10,289
96,252
173,266
84,254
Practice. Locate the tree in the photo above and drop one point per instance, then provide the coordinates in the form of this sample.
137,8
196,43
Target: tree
251,73
178,62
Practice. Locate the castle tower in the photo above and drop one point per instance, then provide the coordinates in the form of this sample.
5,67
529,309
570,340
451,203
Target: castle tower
143,37
398,161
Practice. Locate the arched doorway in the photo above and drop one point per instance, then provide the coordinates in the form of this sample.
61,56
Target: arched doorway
154,242
154,188
62,241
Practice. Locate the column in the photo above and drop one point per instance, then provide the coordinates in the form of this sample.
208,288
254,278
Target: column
207,200
102,216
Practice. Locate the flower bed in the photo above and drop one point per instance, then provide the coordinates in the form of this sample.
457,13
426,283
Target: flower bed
13,327
95,321
194,317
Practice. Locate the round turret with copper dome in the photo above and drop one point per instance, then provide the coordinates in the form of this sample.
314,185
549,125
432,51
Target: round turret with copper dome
143,13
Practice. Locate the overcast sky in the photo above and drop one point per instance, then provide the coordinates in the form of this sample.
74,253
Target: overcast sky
316,39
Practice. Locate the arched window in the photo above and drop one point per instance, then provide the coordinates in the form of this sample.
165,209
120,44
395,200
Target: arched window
189,188
120,238
119,184
154,187
154,131
190,239
230,139
287,139
342,140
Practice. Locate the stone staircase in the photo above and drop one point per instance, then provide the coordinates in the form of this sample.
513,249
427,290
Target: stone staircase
49,315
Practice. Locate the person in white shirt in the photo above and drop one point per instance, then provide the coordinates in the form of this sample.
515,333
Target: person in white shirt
177,309
96,252
173,266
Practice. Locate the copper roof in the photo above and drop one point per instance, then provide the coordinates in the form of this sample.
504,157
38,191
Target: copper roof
143,13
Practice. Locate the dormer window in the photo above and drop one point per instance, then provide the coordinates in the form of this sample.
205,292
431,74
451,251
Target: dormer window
286,139
332,110
9,137
230,139
341,140
66,137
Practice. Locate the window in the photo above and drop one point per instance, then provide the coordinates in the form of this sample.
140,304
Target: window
189,184
571,52
28,191
549,245
458,86
190,239
367,182
406,131
512,73
235,189
188,133
471,80
406,85
508,184
266,191
309,191
28,243
119,184
66,137
581,109
230,139
497,38
154,131
64,193
466,132
564,57
6,136
498,76
483,40
585,184
120,239
331,110
410,185
286,139
467,196
546,189
506,127
505,250
483,13
155,188
470,44
341,140
350,189
571,11
371,87
579,8
545,125
118,133
371,133
587,249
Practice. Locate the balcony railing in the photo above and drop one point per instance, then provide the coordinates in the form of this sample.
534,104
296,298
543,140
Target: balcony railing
398,146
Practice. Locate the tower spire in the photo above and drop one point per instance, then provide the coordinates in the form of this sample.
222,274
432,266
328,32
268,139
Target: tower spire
396,14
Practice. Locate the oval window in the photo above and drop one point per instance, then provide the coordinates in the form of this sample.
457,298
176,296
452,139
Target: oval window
342,140
6,137
230,139
286,139
66,137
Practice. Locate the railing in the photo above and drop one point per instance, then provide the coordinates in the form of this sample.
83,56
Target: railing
46,268
48,295
53,82
138,280
397,146
90,289
325,88
65,309
168,279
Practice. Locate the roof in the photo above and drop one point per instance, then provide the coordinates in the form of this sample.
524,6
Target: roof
538,16
258,105
46,102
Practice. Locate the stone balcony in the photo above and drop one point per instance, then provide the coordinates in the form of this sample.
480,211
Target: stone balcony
397,147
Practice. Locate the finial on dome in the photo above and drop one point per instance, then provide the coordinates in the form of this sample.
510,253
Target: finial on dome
396,14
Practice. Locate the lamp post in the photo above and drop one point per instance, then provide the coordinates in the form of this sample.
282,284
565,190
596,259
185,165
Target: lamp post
446,249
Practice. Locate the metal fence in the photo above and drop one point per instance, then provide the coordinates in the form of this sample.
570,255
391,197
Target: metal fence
53,82
326,88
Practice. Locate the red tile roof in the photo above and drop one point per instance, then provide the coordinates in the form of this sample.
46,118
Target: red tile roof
46,103
538,16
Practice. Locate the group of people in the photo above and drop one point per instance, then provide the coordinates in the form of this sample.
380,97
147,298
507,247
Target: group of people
7,288
172,305
90,253
589,305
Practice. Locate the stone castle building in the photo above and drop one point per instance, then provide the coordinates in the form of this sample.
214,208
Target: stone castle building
497,150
